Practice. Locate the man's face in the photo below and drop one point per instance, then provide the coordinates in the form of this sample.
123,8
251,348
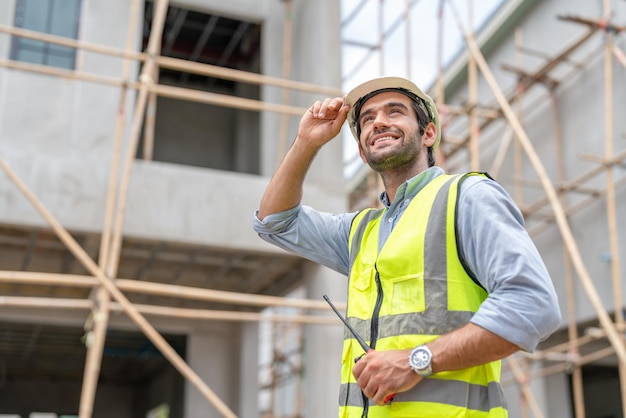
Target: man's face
390,134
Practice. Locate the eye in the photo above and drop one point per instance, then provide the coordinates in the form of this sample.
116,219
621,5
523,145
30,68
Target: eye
366,119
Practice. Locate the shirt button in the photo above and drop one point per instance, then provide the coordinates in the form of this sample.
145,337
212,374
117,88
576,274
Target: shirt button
390,220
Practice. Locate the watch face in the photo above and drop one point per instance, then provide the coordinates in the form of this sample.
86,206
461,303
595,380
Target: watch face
420,358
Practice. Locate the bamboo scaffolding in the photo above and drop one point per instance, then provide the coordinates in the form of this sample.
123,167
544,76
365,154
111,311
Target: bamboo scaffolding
517,149
128,307
521,376
528,82
439,83
287,45
572,329
161,289
575,185
111,264
175,63
48,303
150,122
610,191
483,112
167,91
559,212
407,24
281,150
572,209
272,383
522,380
472,82
583,275
566,366
100,311
508,136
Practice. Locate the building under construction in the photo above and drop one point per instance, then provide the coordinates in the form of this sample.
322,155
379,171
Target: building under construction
136,140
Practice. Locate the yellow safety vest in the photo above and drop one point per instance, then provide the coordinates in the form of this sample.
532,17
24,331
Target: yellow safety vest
412,291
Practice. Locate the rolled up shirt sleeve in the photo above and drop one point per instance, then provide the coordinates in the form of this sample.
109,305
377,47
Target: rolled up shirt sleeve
522,305
318,236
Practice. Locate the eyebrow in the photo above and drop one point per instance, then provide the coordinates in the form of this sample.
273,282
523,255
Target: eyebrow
385,106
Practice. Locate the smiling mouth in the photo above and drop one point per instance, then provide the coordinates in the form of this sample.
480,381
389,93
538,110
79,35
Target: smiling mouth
383,139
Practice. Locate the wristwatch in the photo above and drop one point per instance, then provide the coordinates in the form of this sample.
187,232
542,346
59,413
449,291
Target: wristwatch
421,360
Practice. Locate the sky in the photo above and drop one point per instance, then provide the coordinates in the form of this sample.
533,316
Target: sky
361,30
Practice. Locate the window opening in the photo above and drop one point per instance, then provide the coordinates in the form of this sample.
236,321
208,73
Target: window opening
55,17
199,134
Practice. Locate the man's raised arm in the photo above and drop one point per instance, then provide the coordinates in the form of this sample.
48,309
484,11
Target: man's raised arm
320,123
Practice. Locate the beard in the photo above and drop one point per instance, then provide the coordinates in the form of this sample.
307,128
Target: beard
396,155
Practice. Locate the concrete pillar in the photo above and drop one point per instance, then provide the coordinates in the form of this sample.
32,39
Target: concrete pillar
249,371
213,353
558,401
323,344
552,395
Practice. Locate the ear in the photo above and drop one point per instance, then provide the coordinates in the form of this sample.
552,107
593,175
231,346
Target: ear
362,154
430,135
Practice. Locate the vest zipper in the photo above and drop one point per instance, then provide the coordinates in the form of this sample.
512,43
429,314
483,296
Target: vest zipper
374,329
376,313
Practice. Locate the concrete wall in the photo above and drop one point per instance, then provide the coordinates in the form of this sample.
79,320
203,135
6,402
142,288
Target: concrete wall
214,355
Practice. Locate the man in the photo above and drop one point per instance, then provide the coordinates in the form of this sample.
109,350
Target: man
444,281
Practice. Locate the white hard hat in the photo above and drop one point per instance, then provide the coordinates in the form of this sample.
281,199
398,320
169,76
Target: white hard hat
370,88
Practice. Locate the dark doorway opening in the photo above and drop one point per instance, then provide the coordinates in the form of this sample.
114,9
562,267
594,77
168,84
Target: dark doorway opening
42,369
601,390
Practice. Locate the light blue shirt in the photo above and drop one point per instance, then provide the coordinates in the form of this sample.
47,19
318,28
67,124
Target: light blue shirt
521,307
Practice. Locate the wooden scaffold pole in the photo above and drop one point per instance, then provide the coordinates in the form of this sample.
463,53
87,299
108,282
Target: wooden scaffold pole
472,82
164,62
169,290
98,319
440,89
528,400
568,276
287,46
610,191
522,378
518,154
507,139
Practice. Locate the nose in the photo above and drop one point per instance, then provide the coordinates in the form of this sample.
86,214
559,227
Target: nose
380,121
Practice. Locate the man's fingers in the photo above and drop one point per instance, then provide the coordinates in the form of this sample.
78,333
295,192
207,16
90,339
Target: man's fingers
327,109
315,108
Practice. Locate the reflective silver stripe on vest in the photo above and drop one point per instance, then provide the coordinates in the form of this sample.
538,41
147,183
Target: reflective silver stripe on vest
358,234
354,398
476,397
436,252
431,322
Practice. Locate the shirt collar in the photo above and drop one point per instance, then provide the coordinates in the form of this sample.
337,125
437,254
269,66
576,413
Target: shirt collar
412,186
